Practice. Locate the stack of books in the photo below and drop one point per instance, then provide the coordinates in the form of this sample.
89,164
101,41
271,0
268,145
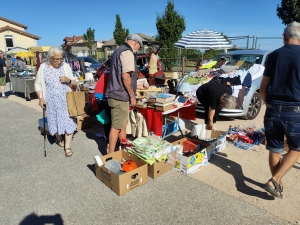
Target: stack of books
164,106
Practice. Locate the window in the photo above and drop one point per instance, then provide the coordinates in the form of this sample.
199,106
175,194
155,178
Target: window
9,42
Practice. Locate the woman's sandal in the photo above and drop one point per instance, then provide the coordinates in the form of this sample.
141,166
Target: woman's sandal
68,152
277,192
60,143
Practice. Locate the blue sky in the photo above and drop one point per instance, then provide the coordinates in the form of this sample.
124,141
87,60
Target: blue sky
53,20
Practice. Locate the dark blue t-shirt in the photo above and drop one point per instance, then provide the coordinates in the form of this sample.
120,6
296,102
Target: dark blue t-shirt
283,68
2,64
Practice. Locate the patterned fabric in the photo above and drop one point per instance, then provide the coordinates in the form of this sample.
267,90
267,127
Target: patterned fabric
57,109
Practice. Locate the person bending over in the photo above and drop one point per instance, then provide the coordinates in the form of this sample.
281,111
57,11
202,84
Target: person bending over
214,96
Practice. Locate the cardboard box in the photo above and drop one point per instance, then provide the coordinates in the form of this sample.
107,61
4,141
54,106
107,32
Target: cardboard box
83,121
193,163
121,184
159,168
217,144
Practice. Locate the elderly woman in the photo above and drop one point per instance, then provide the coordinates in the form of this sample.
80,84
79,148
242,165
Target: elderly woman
214,96
52,82
152,66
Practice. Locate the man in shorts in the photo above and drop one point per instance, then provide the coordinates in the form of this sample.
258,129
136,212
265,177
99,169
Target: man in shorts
3,72
121,87
280,90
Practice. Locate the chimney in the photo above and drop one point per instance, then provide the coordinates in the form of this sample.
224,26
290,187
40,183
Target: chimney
74,38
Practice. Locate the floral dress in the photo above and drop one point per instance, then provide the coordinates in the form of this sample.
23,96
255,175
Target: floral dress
56,102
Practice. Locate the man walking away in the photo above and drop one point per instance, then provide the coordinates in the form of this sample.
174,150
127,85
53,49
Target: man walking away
121,87
3,72
280,90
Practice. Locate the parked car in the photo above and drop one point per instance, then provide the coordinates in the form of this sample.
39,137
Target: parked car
94,63
141,61
252,100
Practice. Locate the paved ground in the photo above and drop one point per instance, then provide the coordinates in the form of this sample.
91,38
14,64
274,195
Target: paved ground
60,190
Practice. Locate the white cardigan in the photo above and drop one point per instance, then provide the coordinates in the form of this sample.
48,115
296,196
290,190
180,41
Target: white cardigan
40,84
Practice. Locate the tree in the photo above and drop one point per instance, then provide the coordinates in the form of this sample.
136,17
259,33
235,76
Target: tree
170,26
289,11
120,33
89,39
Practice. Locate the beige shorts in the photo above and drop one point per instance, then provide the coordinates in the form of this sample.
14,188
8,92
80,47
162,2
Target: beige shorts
119,113
3,81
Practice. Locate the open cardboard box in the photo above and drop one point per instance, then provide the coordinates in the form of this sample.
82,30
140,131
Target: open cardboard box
217,144
193,163
121,184
159,168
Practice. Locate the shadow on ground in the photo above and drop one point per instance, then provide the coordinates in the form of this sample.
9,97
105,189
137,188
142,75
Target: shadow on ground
236,171
33,219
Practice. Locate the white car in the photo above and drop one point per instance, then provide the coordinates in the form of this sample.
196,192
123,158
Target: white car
252,100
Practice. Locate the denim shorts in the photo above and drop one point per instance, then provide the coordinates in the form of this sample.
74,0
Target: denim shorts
279,124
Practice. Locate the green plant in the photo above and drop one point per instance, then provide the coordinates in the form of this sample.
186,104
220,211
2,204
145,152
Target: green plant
120,33
170,26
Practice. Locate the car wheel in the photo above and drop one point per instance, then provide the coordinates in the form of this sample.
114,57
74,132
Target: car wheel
254,107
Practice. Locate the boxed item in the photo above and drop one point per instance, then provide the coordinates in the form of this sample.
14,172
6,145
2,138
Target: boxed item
217,142
41,125
164,98
172,127
121,184
159,168
83,121
193,162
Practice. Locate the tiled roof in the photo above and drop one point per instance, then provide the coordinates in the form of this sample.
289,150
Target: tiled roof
70,41
19,32
13,22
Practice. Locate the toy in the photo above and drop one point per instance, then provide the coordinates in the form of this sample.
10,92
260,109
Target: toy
129,165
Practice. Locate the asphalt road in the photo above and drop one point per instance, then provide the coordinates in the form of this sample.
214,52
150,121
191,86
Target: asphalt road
60,190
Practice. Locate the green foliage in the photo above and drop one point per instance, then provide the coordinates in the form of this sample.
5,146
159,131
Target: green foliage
120,33
170,26
89,39
289,11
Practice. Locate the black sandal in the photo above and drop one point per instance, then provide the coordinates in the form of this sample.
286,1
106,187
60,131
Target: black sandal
274,192
60,143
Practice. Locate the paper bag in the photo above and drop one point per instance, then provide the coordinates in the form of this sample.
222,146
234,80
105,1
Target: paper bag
76,103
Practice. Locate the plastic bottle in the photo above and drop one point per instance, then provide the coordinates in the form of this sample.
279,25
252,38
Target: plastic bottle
113,166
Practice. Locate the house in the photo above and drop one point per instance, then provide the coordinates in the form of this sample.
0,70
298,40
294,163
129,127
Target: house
78,47
111,45
14,35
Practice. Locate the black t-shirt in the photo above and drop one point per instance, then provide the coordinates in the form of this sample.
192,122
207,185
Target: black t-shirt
209,94
2,64
283,68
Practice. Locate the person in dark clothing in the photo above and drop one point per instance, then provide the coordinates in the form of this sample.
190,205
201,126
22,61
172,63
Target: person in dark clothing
121,87
280,90
214,96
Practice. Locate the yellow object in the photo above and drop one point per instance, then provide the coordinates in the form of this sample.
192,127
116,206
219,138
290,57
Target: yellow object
81,78
239,63
25,54
209,65
39,48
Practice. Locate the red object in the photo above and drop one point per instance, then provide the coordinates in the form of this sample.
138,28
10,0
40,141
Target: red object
101,84
188,146
128,166
154,118
245,138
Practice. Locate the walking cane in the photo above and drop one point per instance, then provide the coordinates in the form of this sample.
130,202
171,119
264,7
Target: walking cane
44,118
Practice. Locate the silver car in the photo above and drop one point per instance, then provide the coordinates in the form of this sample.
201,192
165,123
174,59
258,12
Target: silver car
252,100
